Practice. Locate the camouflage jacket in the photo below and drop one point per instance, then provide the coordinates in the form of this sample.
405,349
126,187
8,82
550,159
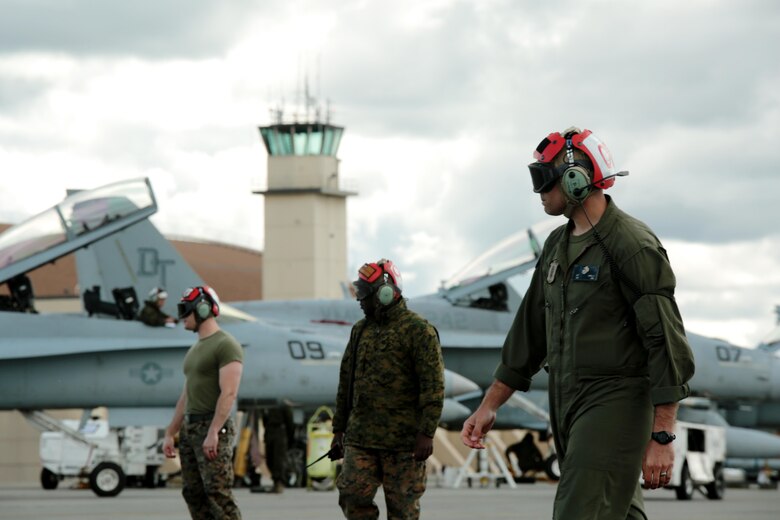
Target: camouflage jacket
398,388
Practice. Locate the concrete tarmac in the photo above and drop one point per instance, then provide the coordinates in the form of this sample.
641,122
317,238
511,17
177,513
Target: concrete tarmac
528,501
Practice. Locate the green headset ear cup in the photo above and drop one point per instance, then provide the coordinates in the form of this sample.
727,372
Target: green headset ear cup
575,183
385,294
203,308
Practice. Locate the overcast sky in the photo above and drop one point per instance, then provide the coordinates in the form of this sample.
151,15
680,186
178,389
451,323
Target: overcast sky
443,103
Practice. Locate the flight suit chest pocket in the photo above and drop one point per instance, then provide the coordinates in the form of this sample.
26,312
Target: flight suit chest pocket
588,284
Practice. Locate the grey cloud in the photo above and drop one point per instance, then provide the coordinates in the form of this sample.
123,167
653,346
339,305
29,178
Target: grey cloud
18,94
630,66
149,28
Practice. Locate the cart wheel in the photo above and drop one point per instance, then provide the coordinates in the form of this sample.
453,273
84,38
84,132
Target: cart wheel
552,467
685,489
717,488
107,479
49,479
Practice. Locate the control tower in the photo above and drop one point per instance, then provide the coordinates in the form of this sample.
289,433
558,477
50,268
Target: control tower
305,212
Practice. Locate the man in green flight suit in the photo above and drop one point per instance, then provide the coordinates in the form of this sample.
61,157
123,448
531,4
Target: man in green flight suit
152,313
389,401
600,314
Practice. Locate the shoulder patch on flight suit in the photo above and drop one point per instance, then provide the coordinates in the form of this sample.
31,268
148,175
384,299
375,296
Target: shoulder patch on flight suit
585,273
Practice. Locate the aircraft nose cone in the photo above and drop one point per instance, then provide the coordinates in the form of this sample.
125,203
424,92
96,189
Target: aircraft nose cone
744,443
454,412
456,385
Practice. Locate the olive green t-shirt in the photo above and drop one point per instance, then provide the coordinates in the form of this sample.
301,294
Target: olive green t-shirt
201,369
577,244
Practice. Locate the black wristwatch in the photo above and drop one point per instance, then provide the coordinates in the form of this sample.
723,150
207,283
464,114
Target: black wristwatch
663,437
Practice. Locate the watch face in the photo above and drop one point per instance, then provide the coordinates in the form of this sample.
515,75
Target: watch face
663,437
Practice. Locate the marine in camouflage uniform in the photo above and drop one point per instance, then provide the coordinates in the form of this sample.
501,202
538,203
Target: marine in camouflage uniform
206,484
600,314
386,419
212,370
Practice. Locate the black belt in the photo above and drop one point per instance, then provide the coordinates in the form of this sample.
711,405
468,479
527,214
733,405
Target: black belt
198,417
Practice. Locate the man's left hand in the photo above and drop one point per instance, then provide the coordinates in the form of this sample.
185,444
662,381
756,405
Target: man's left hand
657,465
423,447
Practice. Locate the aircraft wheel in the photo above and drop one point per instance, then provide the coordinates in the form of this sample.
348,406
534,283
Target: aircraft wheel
717,488
49,479
107,479
552,467
685,489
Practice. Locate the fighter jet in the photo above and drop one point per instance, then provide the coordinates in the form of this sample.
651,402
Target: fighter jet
122,363
104,357
472,311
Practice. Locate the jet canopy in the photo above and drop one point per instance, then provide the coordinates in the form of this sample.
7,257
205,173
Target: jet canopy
509,257
77,221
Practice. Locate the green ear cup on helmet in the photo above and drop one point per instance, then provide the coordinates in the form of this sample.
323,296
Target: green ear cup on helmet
575,183
385,294
203,308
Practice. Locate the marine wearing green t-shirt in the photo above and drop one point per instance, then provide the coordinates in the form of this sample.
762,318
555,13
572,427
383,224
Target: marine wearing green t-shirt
212,369
201,370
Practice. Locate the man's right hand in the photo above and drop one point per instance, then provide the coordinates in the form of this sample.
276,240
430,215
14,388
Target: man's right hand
169,448
476,427
337,446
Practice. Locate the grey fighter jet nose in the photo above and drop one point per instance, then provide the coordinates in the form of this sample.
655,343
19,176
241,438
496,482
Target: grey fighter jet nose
455,385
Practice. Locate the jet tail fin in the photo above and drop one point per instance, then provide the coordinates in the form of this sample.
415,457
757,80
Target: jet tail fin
139,257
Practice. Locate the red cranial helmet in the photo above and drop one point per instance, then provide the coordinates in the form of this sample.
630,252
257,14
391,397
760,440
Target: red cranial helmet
202,300
575,145
381,278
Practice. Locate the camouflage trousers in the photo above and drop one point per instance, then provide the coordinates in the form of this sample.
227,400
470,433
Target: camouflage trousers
206,484
364,470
